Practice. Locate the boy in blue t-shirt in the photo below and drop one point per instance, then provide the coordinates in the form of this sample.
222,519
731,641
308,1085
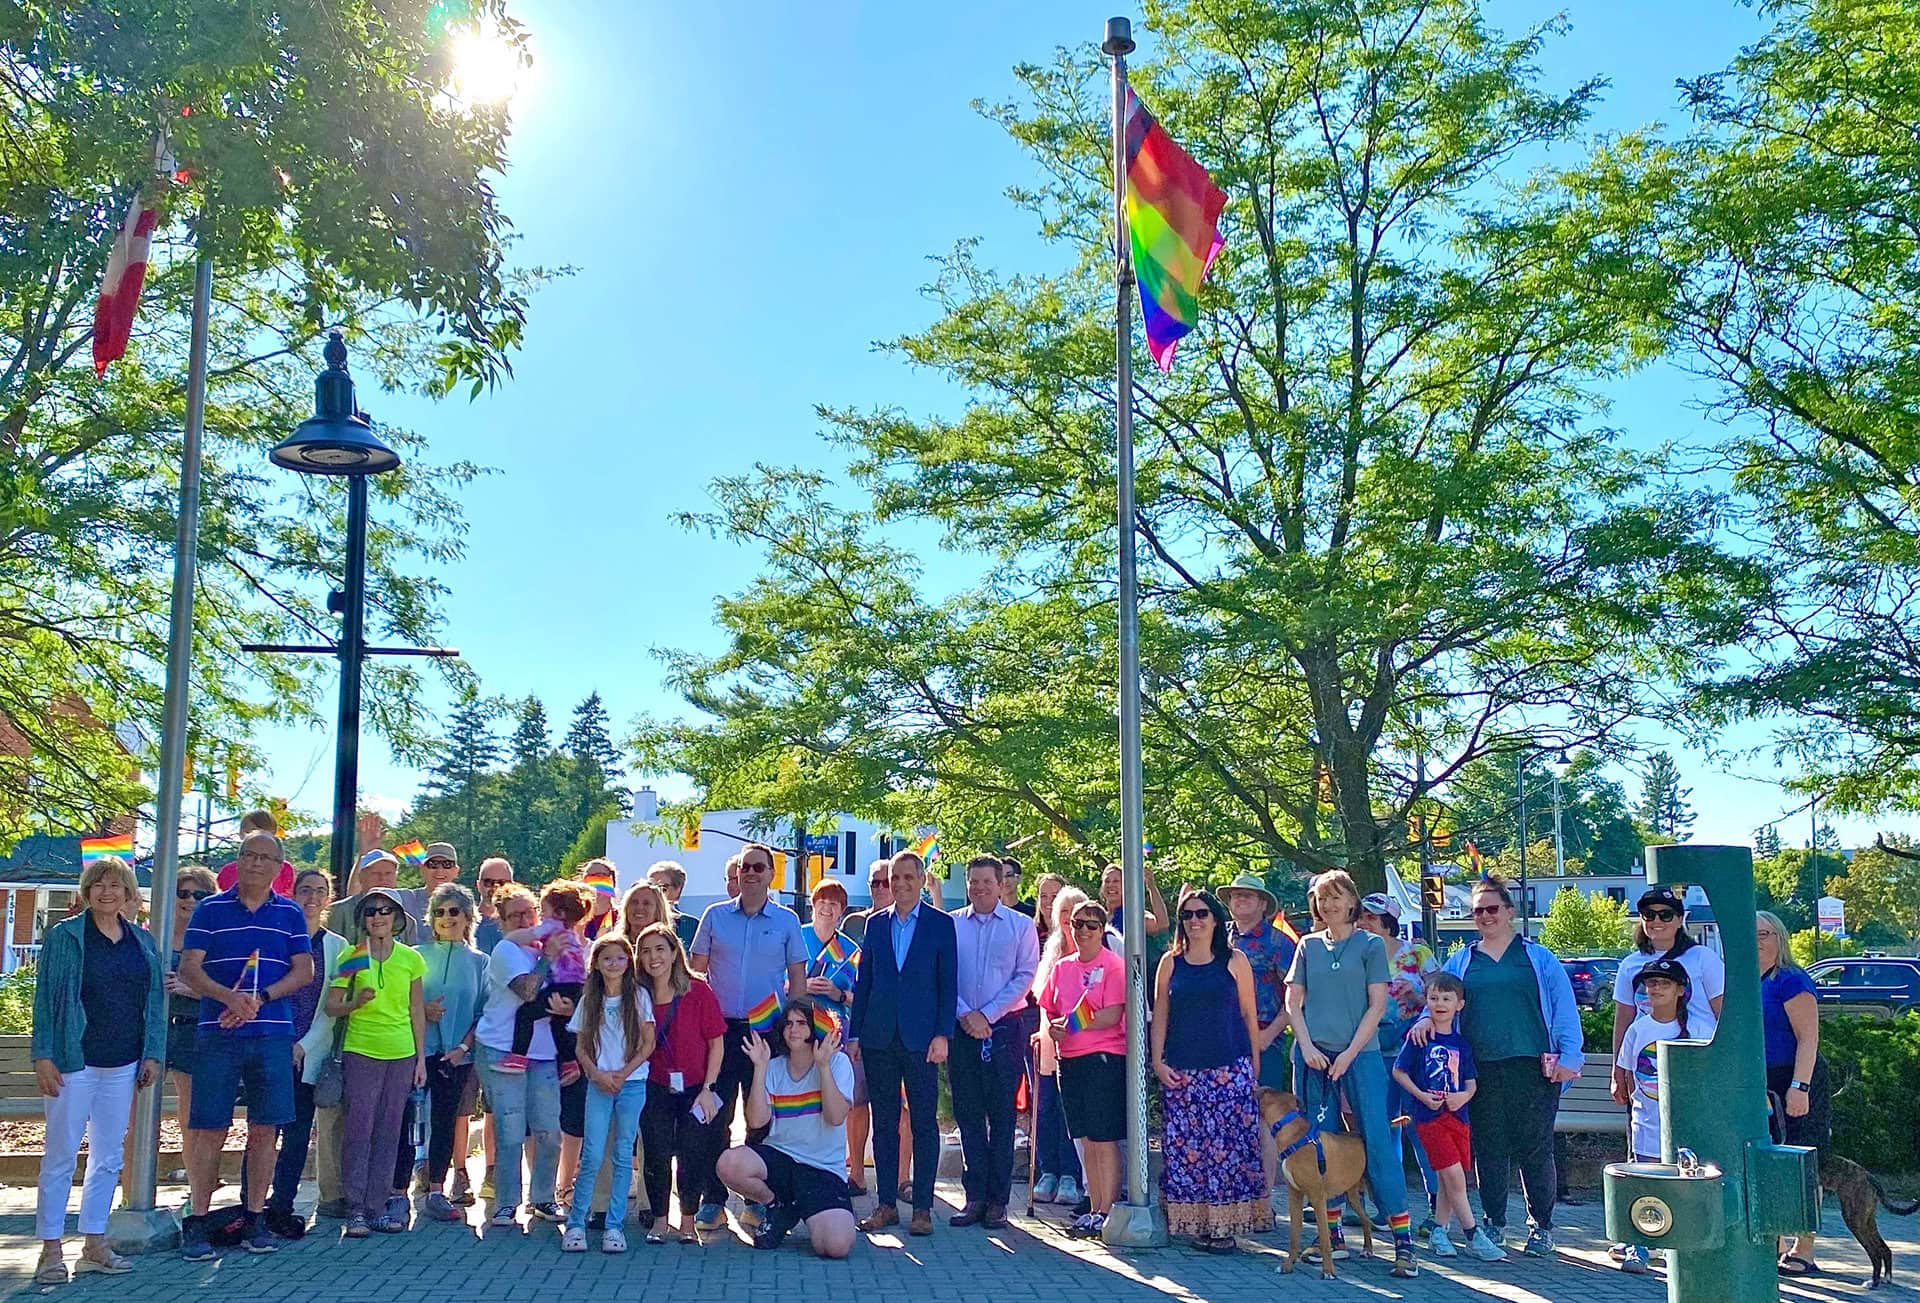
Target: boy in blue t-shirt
1439,1078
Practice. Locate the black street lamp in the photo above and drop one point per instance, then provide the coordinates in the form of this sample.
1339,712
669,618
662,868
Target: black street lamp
338,439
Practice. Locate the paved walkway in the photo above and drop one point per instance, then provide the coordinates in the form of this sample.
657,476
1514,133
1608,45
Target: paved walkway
443,1263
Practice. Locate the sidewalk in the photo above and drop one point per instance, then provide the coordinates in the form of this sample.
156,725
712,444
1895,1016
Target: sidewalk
444,1263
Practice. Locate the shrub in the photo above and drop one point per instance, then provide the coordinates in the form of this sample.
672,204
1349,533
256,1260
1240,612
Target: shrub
1876,1112
16,1001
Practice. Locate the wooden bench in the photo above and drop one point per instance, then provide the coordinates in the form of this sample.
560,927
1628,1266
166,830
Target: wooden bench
20,1089
1587,1105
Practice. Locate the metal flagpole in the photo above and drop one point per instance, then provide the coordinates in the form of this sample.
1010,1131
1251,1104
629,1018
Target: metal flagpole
1140,1222
141,1226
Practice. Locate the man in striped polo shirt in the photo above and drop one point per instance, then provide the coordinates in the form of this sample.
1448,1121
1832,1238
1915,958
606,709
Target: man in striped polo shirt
245,951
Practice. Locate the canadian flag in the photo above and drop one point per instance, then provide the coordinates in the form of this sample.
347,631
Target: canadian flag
126,272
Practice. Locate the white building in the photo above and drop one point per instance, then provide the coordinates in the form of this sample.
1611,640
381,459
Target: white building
848,846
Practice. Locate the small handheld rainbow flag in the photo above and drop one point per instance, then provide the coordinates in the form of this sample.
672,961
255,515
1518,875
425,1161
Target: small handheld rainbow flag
412,852
600,878
1080,1018
1173,223
826,1021
764,1015
99,848
356,960
840,950
250,974
928,848
1474,862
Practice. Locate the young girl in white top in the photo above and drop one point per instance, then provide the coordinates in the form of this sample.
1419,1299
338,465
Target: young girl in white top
1669,1016
613,1030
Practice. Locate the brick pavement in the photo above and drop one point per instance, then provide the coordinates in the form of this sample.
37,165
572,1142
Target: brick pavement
439,1263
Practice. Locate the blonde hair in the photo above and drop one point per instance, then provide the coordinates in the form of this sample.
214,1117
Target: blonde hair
112,866
662,911
1060,939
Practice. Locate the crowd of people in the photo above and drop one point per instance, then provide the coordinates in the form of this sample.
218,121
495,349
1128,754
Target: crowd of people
607,1041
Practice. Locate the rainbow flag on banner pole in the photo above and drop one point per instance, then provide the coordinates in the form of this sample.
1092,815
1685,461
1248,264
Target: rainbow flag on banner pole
412,852
1173,223
1080,1018
99,848
764,1015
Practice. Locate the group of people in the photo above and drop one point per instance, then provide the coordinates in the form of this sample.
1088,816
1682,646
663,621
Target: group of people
585,1029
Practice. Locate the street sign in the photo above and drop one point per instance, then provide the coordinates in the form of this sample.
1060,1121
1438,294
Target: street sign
1833,916
823,843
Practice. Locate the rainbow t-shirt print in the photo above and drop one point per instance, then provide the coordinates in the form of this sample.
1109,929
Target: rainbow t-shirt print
1646,1072
800,1104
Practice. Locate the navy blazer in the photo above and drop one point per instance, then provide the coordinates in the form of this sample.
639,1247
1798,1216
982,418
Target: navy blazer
915,999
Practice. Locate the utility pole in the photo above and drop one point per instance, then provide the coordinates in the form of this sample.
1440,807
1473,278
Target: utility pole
1526,902
1559,839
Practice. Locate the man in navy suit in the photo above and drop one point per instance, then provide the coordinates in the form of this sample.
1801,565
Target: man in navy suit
903,1016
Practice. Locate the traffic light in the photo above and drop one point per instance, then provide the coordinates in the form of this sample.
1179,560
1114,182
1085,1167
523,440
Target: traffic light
1433,892
690,834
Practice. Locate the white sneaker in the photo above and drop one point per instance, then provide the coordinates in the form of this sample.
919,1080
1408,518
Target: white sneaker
1068,1192
1483,1247
574,1240
1441,1245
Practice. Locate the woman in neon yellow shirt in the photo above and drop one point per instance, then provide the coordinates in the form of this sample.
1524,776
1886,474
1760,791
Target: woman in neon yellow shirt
377,997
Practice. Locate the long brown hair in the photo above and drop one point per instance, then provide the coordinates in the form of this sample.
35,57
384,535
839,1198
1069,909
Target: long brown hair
678,976
593,998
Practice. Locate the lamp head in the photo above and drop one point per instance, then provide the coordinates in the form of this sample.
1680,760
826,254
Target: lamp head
337,439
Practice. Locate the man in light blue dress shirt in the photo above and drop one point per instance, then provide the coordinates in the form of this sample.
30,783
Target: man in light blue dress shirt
998,953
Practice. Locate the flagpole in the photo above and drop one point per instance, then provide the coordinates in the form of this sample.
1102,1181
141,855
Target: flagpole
1140,1222
141,1225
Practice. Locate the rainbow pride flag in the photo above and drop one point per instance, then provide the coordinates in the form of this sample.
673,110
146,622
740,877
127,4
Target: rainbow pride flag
794,1106
1173,221
356,960
600,878
250,974
826,1021
928,848
764,1015
99,848
1080,1018
412,852
840,950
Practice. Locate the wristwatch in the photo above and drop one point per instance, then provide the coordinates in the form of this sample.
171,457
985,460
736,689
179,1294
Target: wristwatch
1798,1085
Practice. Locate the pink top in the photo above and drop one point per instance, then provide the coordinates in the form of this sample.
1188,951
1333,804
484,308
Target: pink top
1103,985
230,874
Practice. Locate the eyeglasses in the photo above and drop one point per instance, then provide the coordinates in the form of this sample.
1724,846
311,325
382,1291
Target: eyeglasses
185,893
495,882
755,866
441,863
1094,925
447,911
1659,915
1192,915
1486,911
377,911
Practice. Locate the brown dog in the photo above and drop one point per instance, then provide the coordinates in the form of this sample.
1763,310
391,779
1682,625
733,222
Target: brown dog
1345,1170
1860,1195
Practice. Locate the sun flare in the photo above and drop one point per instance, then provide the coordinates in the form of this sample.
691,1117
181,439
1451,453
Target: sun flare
486,67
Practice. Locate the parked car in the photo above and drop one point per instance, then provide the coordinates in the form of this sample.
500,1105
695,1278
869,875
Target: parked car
1875,984
1592,977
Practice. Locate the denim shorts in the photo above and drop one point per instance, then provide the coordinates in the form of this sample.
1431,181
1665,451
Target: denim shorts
226,1065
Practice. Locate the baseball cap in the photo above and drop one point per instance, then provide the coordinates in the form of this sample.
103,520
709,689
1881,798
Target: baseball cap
1382,904
376,856
442,851
1671,969
1662,895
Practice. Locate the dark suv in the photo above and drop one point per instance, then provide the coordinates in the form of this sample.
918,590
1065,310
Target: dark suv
1592,978
1882,984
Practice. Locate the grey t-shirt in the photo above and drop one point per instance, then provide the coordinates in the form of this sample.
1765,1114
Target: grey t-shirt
1336,976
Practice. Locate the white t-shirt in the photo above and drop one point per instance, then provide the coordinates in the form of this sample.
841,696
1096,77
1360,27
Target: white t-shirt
495,1030
1642,1064
610,1050
800,1129
1705,971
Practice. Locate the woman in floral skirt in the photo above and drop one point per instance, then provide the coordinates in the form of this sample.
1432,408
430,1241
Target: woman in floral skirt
1204,1024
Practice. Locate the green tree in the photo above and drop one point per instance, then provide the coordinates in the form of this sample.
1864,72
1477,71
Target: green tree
333,181
1378,512
470,750
1663,802
1579,923
1882,885
1482,804
596,761
1766,842
1786,233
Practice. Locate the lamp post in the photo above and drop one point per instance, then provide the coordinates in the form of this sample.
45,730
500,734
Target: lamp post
338,439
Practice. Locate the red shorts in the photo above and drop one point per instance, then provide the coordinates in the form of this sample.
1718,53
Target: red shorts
1448,1140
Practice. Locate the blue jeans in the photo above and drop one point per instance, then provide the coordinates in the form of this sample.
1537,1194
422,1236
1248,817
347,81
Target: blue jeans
1055,1154
621,1112
1406,1137
523,1104
1365,1088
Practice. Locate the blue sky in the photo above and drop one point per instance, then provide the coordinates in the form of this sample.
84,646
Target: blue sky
749,200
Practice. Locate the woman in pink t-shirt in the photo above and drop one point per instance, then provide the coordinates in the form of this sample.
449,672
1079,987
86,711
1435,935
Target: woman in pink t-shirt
1085,998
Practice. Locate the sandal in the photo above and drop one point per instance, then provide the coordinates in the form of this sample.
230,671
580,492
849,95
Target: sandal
1794,1265
654,1236
52,1271
112,1265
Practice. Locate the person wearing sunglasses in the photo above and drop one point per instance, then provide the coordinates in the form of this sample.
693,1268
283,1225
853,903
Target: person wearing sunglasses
383,1058
1205,1023
1524,1029
193,884
496,875
454,989
1084,1000
1661,933
380,869
313,1030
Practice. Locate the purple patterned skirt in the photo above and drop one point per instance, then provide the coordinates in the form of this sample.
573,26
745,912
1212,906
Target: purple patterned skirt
1212,1182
